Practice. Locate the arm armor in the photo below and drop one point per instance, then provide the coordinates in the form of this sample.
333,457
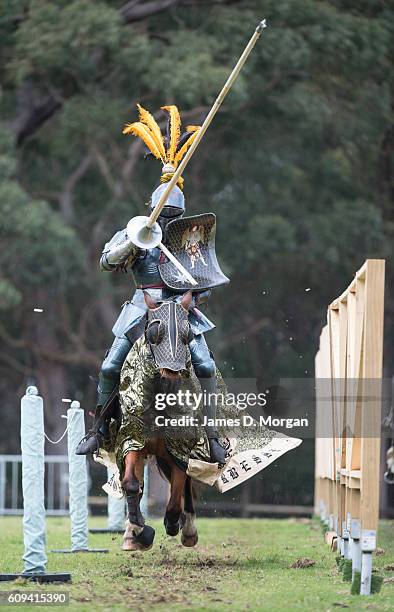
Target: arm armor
119,251
202,297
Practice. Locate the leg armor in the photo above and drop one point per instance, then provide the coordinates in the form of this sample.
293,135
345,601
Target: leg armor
110,370
205,369
106,394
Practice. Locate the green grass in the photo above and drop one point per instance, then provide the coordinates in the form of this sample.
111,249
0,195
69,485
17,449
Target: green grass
237,565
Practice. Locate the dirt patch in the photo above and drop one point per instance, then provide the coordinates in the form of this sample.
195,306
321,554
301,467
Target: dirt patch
205,563
302,563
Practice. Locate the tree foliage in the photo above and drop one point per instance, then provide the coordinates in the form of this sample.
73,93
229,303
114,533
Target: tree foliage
297,166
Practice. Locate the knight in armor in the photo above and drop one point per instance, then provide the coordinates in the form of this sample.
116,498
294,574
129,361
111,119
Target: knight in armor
152,274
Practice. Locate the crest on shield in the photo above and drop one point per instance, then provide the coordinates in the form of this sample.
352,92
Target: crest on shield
192,241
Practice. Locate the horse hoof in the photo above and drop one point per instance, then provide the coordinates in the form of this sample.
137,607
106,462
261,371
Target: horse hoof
172,529
146,537
130,545
189,540
142,541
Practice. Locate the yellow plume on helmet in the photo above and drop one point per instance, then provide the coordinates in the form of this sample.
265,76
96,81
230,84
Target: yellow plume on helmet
175,131
141,130
169,150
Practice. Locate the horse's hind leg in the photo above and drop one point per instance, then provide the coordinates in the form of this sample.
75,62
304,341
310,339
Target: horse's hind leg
137,536
172,517
189,535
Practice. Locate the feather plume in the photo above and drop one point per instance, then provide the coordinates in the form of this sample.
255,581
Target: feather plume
167,137
185,136
139,129
185,147
175,131
150,122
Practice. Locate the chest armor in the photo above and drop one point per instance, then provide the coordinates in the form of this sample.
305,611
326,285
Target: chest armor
146,267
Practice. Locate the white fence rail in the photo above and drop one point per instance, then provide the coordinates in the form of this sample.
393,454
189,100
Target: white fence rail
56,485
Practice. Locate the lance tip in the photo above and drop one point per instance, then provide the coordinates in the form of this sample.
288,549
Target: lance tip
261,26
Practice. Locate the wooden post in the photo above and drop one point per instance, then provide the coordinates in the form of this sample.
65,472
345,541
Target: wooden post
370,415
350,355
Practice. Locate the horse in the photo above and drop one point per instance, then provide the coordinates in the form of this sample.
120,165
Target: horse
167,328
162,355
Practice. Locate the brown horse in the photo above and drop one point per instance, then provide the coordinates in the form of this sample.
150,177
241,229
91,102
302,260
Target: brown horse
167,333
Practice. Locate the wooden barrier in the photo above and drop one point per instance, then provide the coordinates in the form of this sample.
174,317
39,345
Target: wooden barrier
348,370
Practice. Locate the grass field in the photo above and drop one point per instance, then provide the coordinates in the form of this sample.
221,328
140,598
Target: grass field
237,565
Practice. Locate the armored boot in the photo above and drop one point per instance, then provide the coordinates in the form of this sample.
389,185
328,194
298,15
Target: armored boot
216,450
100,432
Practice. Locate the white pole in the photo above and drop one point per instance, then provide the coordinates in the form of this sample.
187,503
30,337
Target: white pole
78,479
366,573
144,499
340,545
77,484
356,557
116,510
33,472
345,536
350,549
368,545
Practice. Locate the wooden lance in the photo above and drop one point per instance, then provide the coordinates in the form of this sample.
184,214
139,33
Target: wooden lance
144,231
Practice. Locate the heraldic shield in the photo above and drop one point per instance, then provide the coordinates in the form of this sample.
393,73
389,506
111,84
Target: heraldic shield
192,241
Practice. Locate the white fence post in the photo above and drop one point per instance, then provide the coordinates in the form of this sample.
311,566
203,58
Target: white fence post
33,475
144,500
77,479
77,484
116,511
33,472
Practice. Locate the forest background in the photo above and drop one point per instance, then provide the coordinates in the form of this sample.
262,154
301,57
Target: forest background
298,167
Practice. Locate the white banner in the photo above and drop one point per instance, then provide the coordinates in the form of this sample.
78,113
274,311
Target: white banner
245,464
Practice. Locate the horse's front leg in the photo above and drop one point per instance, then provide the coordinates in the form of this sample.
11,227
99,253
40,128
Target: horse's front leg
189,530
173,520
137,536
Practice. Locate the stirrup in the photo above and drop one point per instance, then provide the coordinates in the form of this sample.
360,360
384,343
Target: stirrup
96,435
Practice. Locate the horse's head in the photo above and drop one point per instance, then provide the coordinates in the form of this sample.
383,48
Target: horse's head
168,334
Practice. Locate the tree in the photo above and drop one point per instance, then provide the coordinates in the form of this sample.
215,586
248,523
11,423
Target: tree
297,165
